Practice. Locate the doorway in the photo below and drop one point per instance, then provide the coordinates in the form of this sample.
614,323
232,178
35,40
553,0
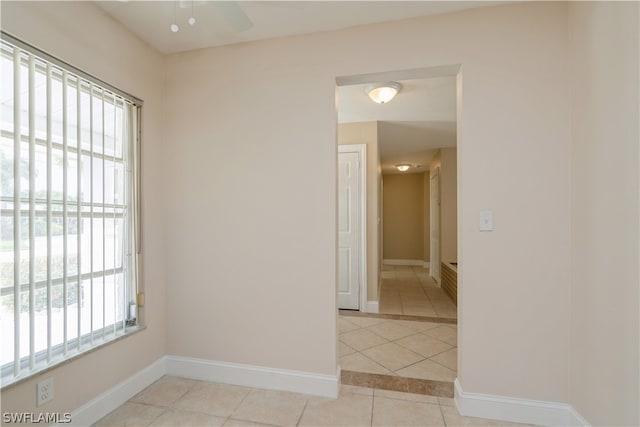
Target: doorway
417,346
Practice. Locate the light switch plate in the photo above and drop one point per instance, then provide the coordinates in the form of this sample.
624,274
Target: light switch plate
486,220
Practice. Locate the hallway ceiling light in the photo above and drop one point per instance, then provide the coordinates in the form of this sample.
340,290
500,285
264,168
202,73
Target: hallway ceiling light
383,92
403,167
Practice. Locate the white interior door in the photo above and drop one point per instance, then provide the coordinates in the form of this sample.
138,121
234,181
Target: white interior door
349,230
434,207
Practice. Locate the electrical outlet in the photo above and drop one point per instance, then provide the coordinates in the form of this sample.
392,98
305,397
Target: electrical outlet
44,391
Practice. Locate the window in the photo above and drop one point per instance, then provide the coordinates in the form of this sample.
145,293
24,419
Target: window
67,211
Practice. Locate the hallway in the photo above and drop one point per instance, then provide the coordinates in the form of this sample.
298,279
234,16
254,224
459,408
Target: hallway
409,290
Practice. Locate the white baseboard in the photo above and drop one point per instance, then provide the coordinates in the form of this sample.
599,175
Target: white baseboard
254,376
373,307
426,264
92,411
516,410
575,419
205,370
416,262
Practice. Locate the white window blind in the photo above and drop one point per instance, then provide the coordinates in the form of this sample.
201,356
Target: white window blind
68,211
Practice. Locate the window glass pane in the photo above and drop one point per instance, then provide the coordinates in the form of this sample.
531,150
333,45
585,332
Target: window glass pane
6,163
72,113
24,324
85,301
85,118
41,103
6,328
24,98
98,127
6,252
40,318
6,92
56,107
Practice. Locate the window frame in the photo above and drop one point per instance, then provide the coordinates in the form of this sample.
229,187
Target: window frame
58,354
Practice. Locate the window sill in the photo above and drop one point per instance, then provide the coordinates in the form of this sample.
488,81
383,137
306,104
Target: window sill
8,383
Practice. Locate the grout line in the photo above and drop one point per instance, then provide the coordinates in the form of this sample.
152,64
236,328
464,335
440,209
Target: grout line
159,415
302,413
240,403
373,404
444,420
435,361
364,355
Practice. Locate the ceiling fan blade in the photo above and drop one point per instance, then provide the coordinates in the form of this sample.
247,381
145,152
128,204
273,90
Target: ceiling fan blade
233,14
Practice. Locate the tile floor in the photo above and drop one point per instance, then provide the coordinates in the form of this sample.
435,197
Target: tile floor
406,348
411,291
173,401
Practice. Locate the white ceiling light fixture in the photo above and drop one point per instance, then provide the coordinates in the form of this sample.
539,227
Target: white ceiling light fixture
174,27
382,93
192,19
403,167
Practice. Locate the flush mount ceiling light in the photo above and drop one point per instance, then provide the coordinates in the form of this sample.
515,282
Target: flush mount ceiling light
174,27
403,167
192,19
382,93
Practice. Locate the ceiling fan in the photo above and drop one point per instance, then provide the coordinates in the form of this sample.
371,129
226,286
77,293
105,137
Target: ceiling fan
230,11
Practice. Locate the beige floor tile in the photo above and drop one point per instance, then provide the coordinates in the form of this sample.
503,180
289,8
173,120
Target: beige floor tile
359,363
365,322
442,304
413,293
453,418
393,412
362,339
165,391
344,349
346,388
347,410
428,370
423,344
444,333
447,358
406,396
449,314
390,330
242,423
213,398
390,300
344,325
177,418
422,310
416,325
392,356
446,401
131,414
390,308
271,407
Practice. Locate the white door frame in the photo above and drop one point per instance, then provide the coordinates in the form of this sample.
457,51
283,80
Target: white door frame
361,150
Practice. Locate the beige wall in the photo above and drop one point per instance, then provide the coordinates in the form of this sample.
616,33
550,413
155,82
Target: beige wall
270,230
403,216
367,133
448,205
603,380
84,36
426,217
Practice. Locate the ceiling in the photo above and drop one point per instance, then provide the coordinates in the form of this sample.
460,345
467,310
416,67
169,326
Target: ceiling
150,20
421,119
